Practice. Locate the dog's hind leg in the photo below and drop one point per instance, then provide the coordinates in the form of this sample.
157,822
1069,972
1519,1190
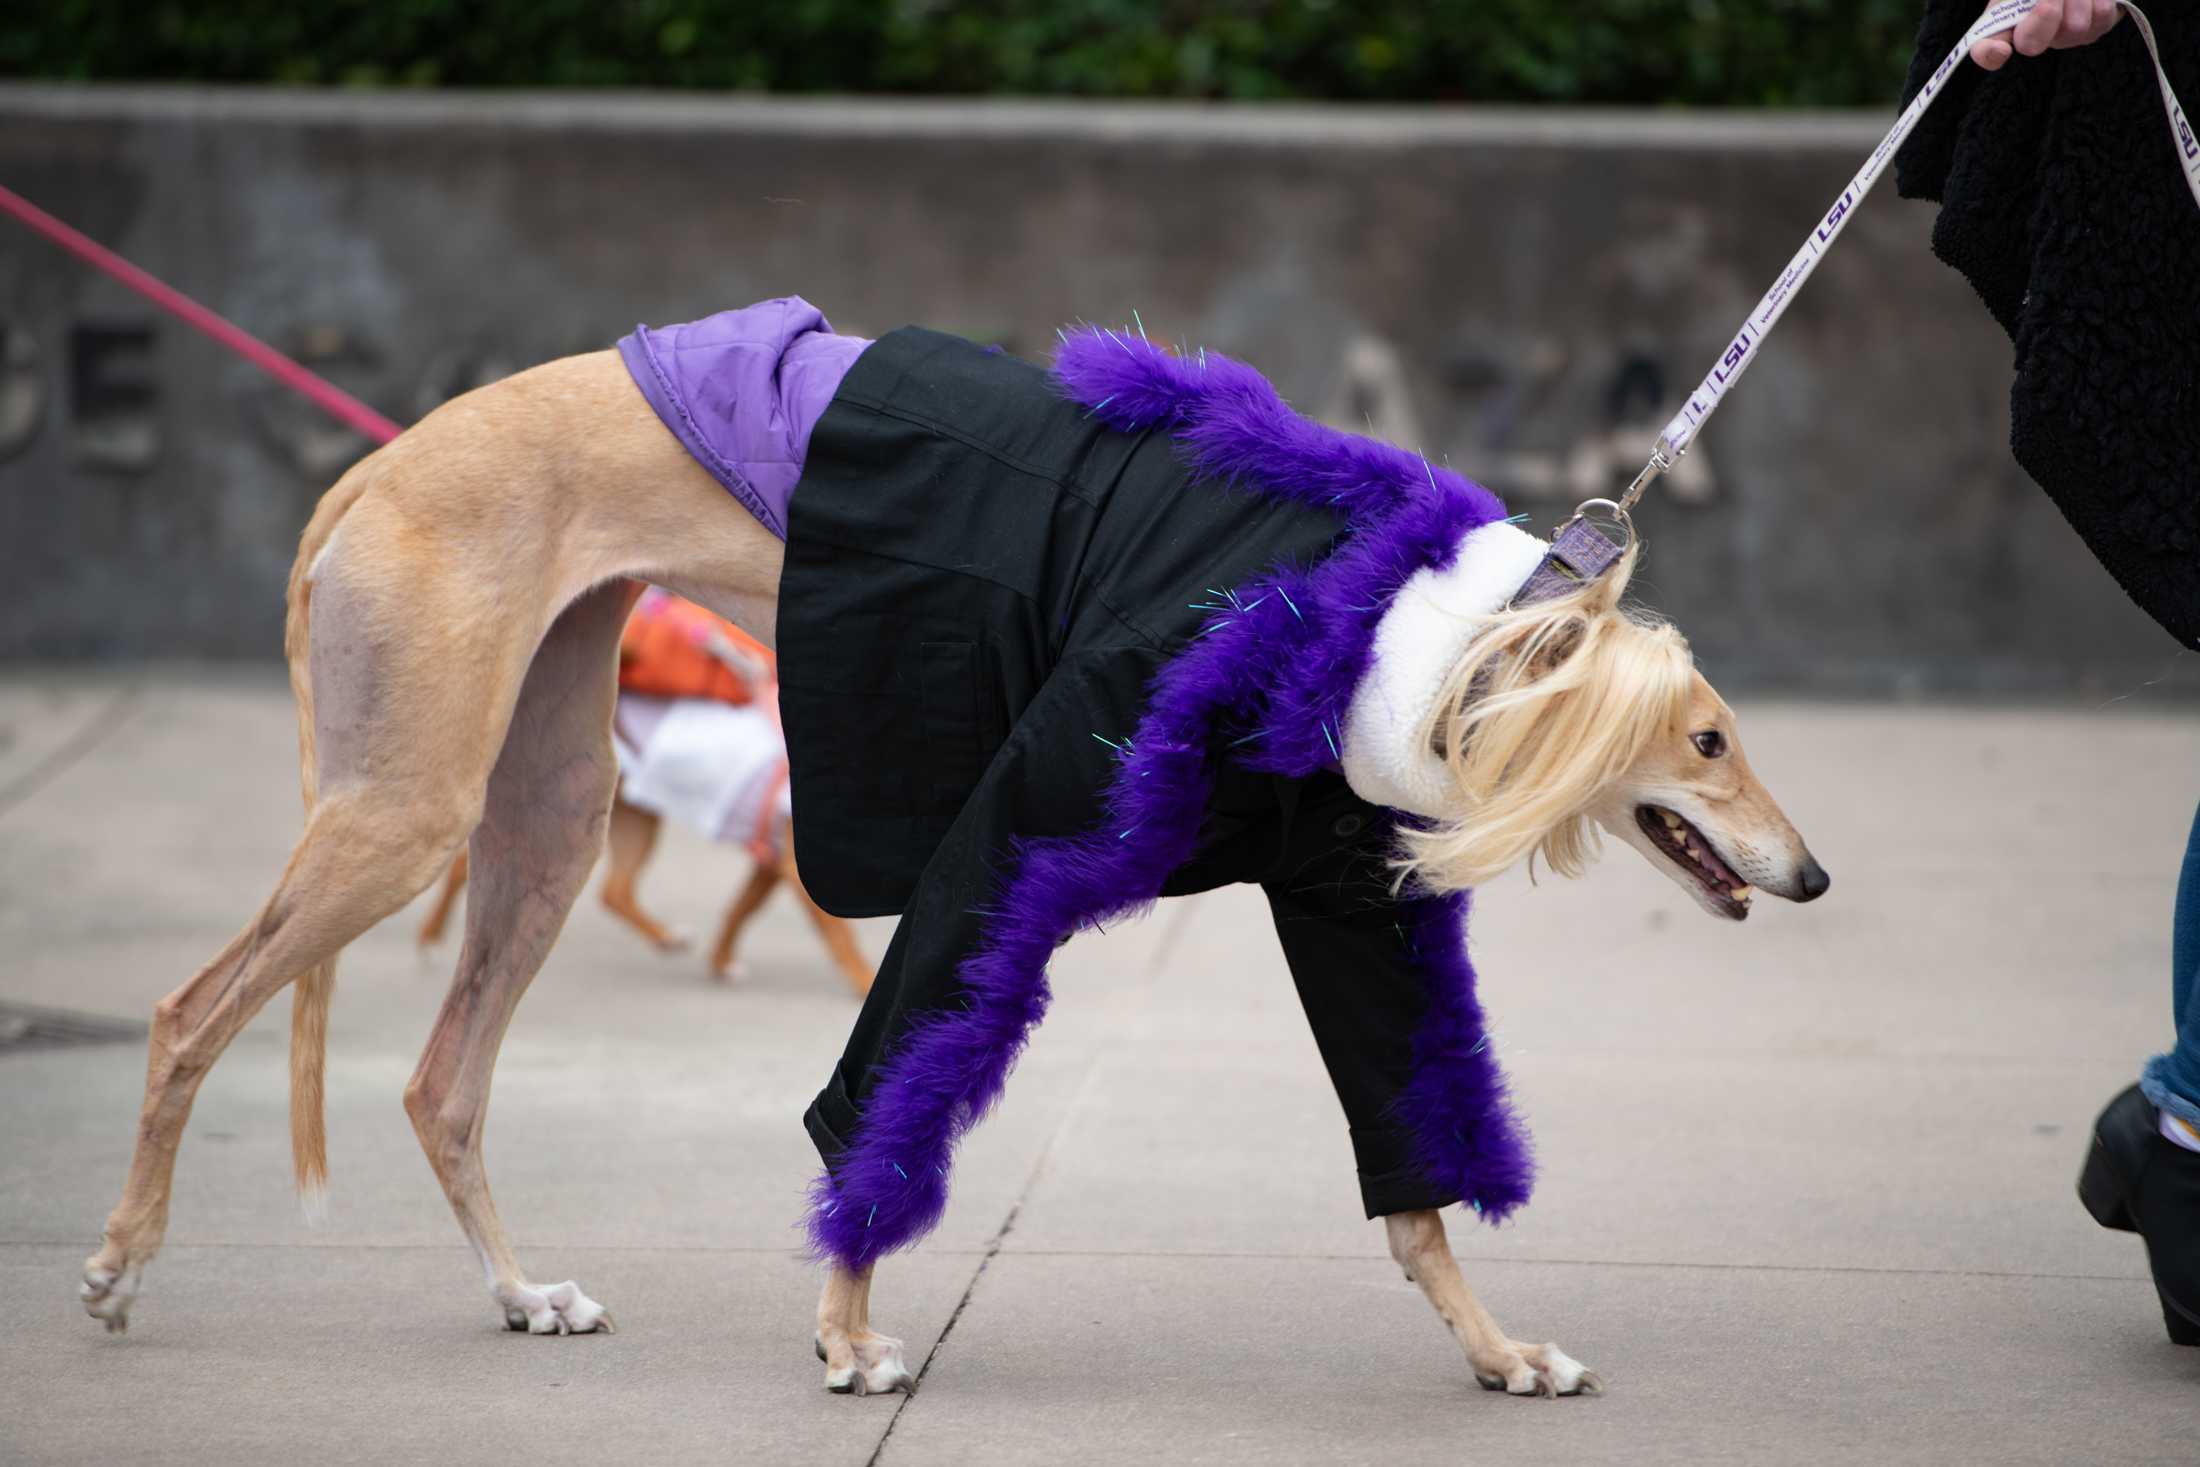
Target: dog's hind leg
1499,1363
364,855
395,748
540,831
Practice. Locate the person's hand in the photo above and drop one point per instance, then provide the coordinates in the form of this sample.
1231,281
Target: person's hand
2057,23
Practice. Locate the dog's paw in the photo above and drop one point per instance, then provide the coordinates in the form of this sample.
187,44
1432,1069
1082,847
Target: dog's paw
107,1294
558,1309
865,1365
1538,1370
1565,1375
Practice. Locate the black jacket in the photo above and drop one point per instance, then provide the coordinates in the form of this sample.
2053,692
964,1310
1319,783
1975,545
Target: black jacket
982,581
2062,204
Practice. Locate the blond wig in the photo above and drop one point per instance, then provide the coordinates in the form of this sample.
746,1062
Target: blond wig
1545,707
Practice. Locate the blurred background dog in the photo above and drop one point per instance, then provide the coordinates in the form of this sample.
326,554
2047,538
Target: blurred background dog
697,731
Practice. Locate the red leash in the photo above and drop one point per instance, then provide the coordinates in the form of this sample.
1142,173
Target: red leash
332,399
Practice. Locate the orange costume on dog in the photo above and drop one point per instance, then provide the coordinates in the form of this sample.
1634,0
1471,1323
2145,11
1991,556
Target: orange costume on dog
697,725
666,652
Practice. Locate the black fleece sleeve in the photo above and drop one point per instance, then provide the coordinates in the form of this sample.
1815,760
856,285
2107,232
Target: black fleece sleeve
1365,989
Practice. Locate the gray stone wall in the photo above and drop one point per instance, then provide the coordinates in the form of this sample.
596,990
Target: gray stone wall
1526,295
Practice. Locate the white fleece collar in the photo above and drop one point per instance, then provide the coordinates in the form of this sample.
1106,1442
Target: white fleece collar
1417,641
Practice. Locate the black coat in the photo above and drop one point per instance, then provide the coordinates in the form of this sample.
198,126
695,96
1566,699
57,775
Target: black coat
2062,203
982,582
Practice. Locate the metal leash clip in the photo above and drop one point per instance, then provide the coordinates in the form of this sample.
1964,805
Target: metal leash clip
1662,457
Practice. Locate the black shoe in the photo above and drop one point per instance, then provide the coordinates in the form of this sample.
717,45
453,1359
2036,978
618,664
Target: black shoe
2137,1179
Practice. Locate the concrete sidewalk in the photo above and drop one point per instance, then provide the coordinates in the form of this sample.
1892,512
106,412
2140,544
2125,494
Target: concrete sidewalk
1806,1188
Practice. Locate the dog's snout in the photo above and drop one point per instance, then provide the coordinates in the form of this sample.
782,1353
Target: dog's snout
1813,880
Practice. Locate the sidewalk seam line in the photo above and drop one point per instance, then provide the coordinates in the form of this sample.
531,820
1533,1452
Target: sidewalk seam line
95,730
993,1248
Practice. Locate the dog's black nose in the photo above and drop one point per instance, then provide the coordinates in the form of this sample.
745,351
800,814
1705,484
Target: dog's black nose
1814,880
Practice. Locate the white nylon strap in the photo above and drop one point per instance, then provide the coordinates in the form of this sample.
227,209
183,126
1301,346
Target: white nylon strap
2001,16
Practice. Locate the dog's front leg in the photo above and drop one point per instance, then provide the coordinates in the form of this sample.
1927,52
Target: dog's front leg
1417,1241
857,1360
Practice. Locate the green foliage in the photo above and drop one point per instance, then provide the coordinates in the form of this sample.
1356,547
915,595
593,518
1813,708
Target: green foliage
1696,52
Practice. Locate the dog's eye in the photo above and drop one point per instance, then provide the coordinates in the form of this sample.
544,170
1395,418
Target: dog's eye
1710,743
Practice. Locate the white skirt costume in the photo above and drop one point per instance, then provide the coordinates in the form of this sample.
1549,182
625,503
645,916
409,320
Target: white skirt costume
717,767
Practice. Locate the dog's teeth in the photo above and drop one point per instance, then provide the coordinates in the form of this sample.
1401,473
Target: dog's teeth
1672,821
1742,893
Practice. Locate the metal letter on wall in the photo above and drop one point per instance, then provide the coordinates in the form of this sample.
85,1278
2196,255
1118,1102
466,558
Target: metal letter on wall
1541,421
113,422
461,370
315,444
1551,419
1372,395
22,389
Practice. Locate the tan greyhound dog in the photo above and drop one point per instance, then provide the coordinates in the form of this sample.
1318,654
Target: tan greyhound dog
453,620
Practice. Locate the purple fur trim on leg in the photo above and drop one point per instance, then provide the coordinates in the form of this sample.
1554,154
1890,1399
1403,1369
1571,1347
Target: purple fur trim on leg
1271,676
1465,1136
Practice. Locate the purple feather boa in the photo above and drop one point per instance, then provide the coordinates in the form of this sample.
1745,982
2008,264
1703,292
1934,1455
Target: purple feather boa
1271,676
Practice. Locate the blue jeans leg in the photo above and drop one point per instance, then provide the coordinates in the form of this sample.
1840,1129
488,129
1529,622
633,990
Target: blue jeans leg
2172,1080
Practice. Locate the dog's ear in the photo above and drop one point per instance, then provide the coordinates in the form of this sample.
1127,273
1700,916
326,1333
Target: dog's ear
1540,657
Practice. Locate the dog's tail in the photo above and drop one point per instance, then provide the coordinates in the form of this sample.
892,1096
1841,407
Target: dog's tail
310,1004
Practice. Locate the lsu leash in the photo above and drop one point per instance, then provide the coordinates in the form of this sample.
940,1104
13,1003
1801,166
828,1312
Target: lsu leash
1580,551
2000,16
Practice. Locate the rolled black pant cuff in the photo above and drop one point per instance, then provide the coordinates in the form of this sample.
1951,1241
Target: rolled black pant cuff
1406,1191
831,1121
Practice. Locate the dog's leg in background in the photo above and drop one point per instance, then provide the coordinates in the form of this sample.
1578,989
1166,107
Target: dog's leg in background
1418,1243
857,1361
541,828
633,837
439,915
840,937
763,880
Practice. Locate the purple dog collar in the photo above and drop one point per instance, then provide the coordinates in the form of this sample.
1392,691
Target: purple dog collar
1579,553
